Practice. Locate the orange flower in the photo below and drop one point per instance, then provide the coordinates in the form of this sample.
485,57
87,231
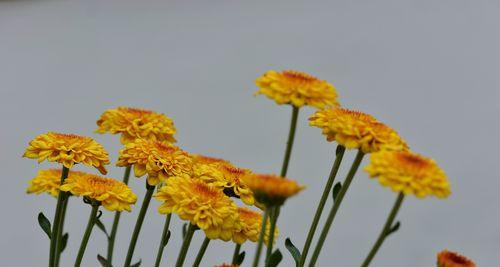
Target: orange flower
447,258
271,189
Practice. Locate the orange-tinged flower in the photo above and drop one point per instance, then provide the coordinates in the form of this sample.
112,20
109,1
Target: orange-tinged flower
357,130
133,123
250,226
157,159
271,189
447,258
113,195
409,173
297,88
49,181
68,149
203,205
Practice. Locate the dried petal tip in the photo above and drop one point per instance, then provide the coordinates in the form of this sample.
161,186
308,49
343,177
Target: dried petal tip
447,258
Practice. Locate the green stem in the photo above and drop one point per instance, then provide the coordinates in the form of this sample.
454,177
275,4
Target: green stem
61,228
335,207
385,231
163,240
88,231
57,219
116,221
289,143
261,238
203,248
140,219
185,245
321,205
274,218
236,253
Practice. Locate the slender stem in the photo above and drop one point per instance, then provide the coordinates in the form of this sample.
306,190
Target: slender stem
236,253
116,221
140,219
163,240
203,248
61,229
385,231
56,221
185,245
86,236
321,205
335,207
289,143
261,238
270,242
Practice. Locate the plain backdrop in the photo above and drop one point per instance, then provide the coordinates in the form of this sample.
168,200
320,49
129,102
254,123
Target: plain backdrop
428,68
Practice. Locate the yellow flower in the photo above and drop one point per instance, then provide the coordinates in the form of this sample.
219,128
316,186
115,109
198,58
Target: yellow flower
112,194
134,123
205,168
68,149
49,181
447,258
357,130
157,159
201,204
271,189
297,88
251,224
409,173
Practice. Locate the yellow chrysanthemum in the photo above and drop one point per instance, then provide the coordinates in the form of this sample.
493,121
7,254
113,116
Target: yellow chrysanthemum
206,167
68,149
201,204
112,194
357,130
251,224
157,159
271,189
297,88
49,181
133,123
447,258
409,173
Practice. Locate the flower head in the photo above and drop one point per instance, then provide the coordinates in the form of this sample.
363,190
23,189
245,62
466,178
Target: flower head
133,123
447,258
203,205
49,181
357,130
297,88
68,149
409,173
112,194
157,159
271,189
251,224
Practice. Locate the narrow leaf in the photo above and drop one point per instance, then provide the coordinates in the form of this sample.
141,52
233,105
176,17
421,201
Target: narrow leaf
103,261
293,250
44,224
137,264
240,258
184,230
64,241
275,259
336,190
101,226
167,237
394,228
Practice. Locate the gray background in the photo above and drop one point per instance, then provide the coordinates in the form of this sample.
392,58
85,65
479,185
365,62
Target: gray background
428,68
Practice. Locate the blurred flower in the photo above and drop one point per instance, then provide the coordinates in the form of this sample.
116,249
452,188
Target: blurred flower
68,149
203,205
134,123
271,189
251,223
112,194
157,159
409,173
49,181
357,130
447,258
297,88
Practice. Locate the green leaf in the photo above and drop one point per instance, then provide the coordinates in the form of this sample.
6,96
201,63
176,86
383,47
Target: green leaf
336,190
44,224
293,250
394,228
101,226
64,241
137,264
166,238
103,261
240,258
184,230
275,259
